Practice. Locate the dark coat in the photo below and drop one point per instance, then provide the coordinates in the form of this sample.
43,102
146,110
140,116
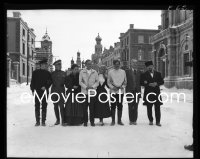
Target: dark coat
133,85
146,76
72,80
58,78
40,78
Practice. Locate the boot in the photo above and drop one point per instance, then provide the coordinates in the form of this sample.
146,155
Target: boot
56,110
113,117
44,113
37,116
119,115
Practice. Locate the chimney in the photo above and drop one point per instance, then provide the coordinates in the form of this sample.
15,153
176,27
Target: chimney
121,34
16,14
131,26
159,27
32,29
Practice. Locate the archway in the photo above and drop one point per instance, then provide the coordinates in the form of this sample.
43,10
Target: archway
161,62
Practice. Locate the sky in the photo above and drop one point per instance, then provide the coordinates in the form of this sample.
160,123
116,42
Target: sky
75,30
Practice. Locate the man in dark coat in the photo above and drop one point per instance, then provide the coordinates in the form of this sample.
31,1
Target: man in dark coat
151,80
40,83
58,78
133,87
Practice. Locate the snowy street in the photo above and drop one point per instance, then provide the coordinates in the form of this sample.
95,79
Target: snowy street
131,141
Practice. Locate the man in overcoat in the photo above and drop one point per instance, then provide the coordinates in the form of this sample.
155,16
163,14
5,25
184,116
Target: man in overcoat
151,80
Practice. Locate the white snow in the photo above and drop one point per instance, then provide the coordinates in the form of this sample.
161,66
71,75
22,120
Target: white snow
142,140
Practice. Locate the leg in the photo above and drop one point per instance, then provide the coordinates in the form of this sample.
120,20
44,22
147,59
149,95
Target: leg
113,107
56,110
130,109
119,109
44,111
61,105
135,112
85,111
91,107
149,113
157,114
37,111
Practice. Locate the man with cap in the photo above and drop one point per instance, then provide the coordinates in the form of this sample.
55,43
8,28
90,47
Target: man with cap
40,83
58,78
151,80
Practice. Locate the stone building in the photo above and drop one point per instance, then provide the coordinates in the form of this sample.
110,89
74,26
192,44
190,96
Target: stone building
45,51
173,48
20,47
135,43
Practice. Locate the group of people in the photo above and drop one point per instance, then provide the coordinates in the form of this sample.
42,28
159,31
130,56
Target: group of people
102,92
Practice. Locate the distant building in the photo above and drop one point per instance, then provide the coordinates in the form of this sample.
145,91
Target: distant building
45,51
173,48
20,47
135,43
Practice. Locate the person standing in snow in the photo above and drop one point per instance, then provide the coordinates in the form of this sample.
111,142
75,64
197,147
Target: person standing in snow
133,87
40,83
151,80
117,82
58,78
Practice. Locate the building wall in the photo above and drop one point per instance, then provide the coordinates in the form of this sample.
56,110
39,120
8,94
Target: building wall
11,36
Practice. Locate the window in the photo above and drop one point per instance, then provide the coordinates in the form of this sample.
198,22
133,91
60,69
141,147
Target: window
23,51
140,39
28,69
23,69
32,41
186,59
32,69
32,54
23,32
127,40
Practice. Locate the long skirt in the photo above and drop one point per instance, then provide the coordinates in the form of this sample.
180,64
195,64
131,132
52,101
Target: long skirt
102,109
73,112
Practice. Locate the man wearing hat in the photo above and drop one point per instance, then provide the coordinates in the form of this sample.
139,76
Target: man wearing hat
40,82
58,77
151,80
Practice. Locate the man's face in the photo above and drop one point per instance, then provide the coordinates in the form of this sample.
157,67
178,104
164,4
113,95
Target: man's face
89,65
58,67
117,65
134,64
150,68
75,70
43,66
37,66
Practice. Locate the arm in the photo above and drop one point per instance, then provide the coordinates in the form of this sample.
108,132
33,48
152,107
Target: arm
96,81
142,79
160,79
109,81
125,81
81,81
32,85
49,81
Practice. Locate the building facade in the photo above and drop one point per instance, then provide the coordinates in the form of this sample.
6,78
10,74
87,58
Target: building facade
135,43
173,48
20,47
45,51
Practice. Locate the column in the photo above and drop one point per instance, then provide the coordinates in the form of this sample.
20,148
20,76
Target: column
16,67
8,71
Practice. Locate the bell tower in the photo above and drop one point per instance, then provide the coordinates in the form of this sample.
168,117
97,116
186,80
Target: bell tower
98,46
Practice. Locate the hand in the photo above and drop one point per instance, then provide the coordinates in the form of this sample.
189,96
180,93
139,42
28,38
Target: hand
75,87
116,88
43,88
153,84
89,87
145,82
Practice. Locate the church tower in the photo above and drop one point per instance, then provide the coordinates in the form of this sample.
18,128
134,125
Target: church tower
98,46
78,61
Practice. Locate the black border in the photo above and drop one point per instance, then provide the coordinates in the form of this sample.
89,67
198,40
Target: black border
153,4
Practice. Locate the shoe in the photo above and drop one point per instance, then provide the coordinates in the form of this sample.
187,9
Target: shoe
189,147
85,124
130,123
112,123
150,123
43,124
134,123
120,123
102,124
64,124
158,124
92,124
57,122
37,124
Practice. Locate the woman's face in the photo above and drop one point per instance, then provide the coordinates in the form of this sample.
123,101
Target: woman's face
75,70
102,70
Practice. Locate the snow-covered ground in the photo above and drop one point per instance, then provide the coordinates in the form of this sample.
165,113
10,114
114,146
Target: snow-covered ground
131,141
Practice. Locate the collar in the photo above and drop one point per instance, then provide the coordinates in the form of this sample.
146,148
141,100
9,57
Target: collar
85,70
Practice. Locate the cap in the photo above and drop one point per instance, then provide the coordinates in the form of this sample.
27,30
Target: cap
57,62
148,63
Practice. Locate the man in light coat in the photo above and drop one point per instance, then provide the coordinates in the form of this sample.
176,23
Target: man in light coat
89,81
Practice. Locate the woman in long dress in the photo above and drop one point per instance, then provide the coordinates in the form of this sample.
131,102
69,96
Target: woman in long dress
73,109
102,108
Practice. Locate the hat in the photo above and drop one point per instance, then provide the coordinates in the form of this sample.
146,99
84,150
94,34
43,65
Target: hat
148,63
57,62
44,61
